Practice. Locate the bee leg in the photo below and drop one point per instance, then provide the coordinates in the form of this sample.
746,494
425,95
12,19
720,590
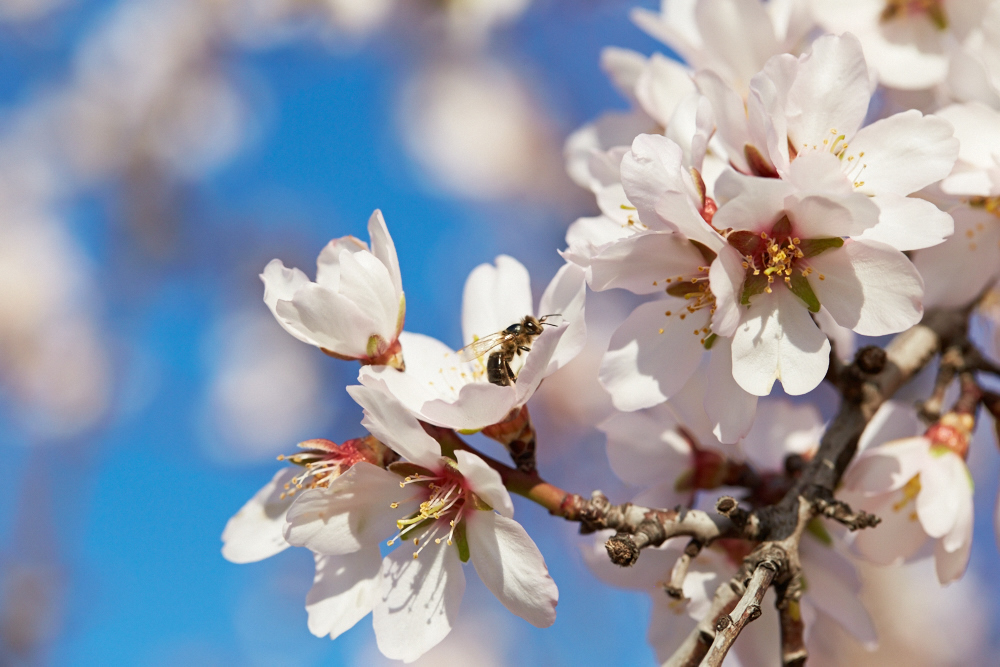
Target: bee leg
510,372
523,348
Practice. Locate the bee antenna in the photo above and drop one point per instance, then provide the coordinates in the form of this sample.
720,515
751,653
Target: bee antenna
541,320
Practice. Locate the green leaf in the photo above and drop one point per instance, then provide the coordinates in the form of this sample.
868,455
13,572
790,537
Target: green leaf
752,286
801,288
813,247
462,542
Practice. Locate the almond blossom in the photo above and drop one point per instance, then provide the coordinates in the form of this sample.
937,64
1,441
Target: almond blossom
449,510
356,307
920,487
814,106
441,389
906,41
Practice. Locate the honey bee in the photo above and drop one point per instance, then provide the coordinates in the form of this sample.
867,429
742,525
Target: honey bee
503,346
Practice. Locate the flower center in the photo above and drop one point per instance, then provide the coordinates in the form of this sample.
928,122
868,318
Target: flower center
895,9
323,460
440,513
697,292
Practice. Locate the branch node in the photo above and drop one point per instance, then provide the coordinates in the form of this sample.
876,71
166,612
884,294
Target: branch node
841,512
871,359
622,549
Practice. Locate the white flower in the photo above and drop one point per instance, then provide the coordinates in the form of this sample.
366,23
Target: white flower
255,532
447,516
921,488
441,389
974,73
803,122
906,41
733,38
356,307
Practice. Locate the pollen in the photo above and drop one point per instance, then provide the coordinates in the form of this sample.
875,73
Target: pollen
910,491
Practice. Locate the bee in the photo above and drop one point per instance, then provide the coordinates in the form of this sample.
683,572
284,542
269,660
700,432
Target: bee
503,346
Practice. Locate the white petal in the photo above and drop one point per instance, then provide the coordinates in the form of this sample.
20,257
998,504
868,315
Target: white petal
349,515
384,249
868,287
609,130
328,267
511,566
541,361
950,566
418,600
782,428
730,409
623,67
830,94
643,366
908,223
485,482
778,340
903,153
720,20
662,83
282,283
366,281
895,420
344,591
819,216
389,421
255,532
644,447
566,296
642,264
888,467
974,244
941,493
751,203
833,586
495,297
329,320
726,277
897,537
730,115
977,127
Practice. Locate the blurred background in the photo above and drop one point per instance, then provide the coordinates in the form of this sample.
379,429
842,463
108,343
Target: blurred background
154,155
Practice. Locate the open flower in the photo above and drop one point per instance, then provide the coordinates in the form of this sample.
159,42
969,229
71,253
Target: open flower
921,488
442,389
444,512
906,41
255,532
356,307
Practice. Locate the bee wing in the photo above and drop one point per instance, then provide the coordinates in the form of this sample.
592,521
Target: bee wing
483,346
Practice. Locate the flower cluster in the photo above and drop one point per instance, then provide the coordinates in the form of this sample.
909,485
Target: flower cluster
769,199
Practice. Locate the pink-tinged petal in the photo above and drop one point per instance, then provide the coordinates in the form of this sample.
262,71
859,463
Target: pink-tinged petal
541,362
643,263
778,340
418,600
329,320
652,355
661,85
674,25
255,532
751,203
511,566
388,420
344,591
818,216
895,420
478,405
623,67
961,532
566,296
495,297
766,108
730,116
485,482
830,94
587,236
692,126
974,244
730,409
819,171
644,447
868,287
941,492
977,127
349,515
908,223
384,249
903,153
950,566
726,279
833,587
888,467
282,283
328,267
898,537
